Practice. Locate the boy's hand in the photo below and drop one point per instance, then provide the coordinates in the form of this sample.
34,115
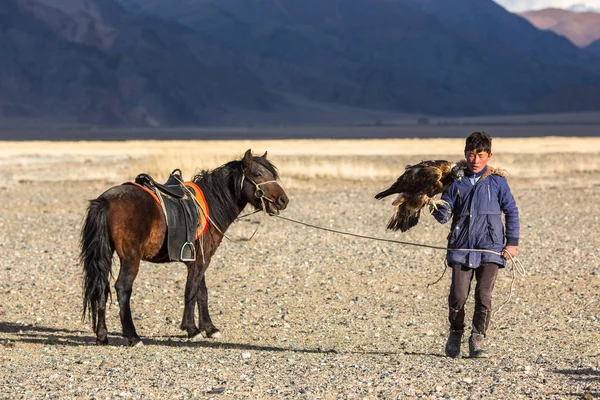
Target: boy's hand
512,250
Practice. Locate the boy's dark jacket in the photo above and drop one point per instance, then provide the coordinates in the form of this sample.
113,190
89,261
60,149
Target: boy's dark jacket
476,213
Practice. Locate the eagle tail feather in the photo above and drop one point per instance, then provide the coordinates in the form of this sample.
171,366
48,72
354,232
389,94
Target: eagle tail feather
403,219
385,193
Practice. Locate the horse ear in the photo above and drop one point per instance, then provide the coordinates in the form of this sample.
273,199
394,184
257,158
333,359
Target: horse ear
264,155
247,160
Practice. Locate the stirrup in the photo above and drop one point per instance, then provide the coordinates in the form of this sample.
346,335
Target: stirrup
192,250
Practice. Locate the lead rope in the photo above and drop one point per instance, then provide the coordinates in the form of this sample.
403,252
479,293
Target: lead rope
382,239
516,265
441,276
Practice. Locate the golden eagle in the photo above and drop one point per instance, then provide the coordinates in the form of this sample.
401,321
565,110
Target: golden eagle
416,188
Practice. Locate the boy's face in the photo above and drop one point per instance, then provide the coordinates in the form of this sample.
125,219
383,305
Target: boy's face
476,161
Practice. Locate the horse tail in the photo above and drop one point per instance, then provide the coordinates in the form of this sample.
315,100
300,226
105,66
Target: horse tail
96,256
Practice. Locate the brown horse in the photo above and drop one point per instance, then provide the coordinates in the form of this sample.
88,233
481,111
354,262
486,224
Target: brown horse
126,219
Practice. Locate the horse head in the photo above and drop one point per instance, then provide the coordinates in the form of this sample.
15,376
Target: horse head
260,186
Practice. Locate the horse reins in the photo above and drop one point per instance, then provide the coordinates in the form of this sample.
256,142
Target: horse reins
258,192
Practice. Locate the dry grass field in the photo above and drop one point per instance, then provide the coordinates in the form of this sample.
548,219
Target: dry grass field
305,314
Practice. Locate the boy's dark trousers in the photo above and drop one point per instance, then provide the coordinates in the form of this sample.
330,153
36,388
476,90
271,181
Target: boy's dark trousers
459,292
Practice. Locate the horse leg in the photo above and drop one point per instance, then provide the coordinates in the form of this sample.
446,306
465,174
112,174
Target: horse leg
206,324
188,323
127,274
101,331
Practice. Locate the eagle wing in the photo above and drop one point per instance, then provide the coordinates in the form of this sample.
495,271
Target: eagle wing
423,177
415,187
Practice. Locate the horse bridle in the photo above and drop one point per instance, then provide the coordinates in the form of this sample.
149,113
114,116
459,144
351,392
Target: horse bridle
258,192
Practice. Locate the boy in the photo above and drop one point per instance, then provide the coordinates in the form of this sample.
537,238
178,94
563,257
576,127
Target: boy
476,204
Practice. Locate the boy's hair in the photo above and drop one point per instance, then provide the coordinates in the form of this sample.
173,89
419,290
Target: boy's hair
479,141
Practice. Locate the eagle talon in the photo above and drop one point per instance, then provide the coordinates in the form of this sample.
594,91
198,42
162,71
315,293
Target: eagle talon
435,203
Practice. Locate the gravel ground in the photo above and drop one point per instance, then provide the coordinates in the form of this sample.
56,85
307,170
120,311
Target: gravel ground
305,314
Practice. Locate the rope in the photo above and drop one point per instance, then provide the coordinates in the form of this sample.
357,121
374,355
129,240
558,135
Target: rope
248,214
516,264
383,239
441,276
259,193
209,219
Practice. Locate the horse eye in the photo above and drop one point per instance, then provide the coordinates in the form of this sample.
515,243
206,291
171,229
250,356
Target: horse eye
259,174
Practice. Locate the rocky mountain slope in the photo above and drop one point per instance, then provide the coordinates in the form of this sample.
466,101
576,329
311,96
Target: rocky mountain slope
91,61
146,62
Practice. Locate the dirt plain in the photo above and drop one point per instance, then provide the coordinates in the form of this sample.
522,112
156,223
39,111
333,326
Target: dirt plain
305,314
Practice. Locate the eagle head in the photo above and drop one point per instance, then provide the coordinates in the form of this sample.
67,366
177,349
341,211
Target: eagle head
458,172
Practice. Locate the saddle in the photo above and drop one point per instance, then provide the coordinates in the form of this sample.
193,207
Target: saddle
173,186
181,214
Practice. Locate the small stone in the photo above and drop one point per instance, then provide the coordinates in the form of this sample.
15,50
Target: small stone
217,390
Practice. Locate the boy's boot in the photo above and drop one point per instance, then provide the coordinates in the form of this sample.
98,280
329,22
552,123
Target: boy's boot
453,343
477,346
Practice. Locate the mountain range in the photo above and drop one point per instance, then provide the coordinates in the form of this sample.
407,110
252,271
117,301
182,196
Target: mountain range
581,28
90,61
594,47
194,62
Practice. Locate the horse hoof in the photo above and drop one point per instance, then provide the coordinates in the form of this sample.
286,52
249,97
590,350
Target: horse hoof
197,337
102,342
214,335
135,342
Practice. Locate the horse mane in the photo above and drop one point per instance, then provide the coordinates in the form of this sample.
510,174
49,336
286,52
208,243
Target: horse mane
222,189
